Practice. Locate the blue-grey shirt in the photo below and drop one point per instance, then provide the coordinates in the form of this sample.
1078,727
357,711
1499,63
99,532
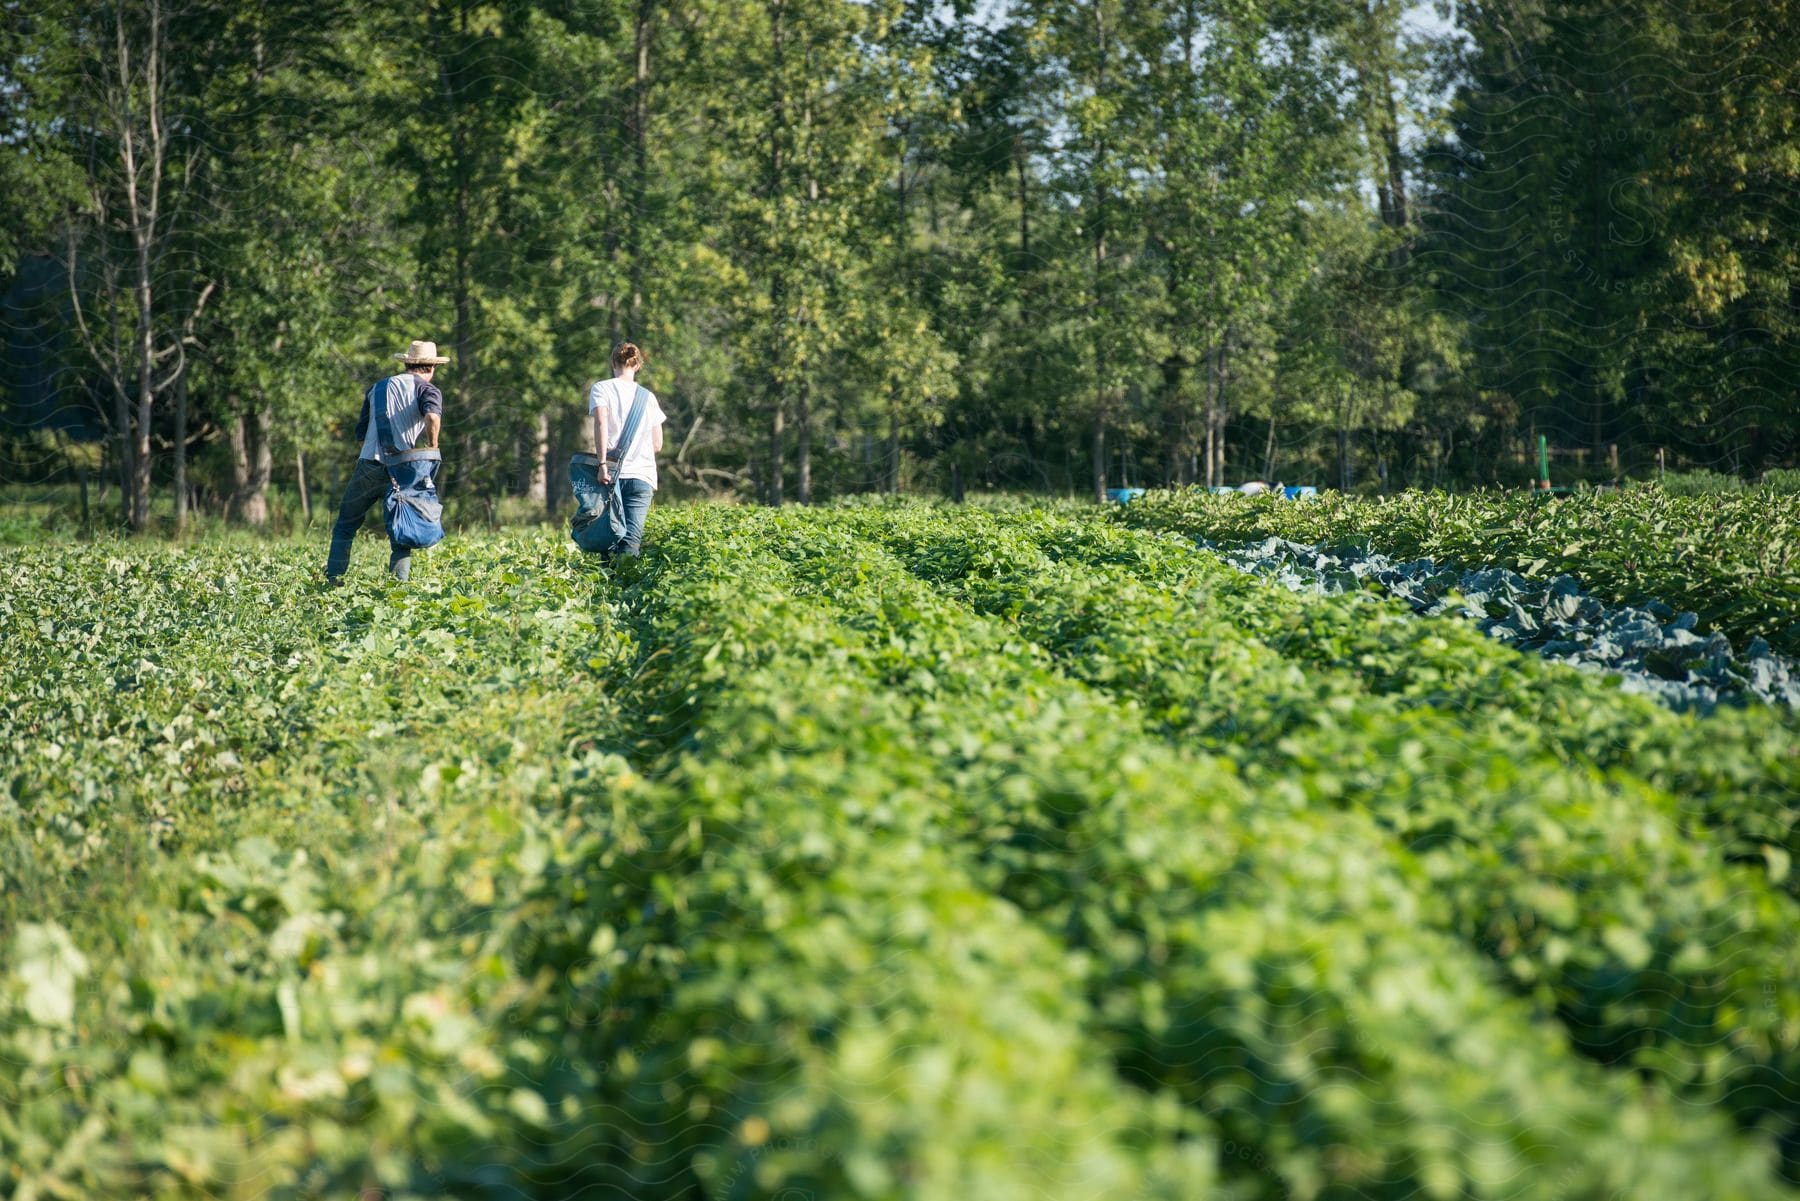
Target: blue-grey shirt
408,399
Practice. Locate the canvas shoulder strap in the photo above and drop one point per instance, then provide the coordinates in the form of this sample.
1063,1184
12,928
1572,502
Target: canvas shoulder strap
633,419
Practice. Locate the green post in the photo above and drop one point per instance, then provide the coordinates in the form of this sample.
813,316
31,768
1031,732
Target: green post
1544,457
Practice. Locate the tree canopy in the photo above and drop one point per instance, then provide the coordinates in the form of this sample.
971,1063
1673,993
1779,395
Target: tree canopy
887,245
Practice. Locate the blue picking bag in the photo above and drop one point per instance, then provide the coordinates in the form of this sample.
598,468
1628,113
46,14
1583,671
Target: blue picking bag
412,511
415,516
599,521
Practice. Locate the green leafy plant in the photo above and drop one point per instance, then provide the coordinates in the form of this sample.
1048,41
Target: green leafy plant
884,851
1732,559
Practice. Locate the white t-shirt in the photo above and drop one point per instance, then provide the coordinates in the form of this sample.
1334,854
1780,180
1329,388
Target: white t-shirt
616,394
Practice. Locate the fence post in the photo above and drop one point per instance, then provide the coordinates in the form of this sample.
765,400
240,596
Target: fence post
300,475
86,527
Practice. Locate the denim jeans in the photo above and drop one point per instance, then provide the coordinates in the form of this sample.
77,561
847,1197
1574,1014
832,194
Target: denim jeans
634,496
368,486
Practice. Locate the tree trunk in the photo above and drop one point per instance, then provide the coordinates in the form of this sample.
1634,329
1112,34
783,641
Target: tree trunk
1211,388
143,197
181,423
552,453
776,186
140,455
1023,176
777,463
1396,166
1269,450
537,484
1173,425
893,442
1098,461
640,139
1217,418
146,365
300,485
127,452
251,465
1343,438
462,331
1383,127
803,442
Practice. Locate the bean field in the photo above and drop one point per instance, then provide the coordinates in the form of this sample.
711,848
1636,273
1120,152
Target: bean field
897,850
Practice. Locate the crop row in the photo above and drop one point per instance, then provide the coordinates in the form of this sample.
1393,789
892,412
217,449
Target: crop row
1275,972
1738,771
1589,890
1733,560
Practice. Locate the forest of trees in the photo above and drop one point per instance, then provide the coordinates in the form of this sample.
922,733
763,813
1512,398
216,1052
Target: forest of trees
882,244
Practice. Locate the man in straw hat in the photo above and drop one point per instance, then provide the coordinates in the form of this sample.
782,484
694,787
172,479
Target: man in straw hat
415,411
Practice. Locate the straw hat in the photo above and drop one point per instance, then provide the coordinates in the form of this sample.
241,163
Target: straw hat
421,352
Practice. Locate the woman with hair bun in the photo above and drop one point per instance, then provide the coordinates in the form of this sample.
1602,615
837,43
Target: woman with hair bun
610,402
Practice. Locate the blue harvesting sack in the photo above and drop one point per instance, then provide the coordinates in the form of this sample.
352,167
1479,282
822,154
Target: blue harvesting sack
599,521
415,516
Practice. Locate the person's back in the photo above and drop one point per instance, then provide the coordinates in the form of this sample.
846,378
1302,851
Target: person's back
409,400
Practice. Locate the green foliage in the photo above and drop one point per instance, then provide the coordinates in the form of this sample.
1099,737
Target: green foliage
1734,559
889,246
877,851
1603,219
378,873
1382,695
1700,483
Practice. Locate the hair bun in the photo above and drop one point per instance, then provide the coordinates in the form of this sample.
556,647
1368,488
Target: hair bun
626,356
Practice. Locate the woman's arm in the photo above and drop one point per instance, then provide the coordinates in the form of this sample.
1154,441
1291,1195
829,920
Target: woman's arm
601,442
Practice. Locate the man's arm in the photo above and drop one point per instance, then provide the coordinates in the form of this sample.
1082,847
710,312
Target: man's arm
656,437
431,404
362,422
